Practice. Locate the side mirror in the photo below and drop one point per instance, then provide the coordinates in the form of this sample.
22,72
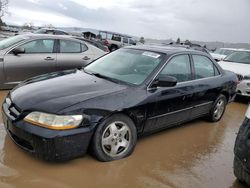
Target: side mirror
165,81
18,50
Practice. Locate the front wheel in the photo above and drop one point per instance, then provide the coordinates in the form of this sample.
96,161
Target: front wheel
218,109
115,138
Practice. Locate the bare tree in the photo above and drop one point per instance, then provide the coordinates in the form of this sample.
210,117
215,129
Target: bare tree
3,7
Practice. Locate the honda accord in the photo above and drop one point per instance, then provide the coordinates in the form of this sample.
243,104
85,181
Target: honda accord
105,106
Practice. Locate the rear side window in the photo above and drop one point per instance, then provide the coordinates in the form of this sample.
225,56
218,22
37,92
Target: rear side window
39,46
178,67
204,67
84,47
125,40
67,46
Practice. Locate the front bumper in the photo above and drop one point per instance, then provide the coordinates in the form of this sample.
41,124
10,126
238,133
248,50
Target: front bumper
243,88
50,145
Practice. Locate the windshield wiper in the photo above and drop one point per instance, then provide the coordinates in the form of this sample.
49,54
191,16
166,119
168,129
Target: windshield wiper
102,76
105,77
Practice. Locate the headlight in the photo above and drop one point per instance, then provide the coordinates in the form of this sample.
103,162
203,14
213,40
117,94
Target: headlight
50,121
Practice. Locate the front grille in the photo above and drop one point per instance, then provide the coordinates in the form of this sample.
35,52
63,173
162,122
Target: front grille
240,77
12,111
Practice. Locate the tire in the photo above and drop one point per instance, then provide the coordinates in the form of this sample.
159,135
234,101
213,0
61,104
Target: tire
115,138
240,172
113,48
218,109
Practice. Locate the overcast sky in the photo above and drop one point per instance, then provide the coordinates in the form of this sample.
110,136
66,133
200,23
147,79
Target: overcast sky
206,20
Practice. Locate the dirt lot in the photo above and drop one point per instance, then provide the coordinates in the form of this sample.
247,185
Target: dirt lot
198,154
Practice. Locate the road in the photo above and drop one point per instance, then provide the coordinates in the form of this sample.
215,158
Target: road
197,154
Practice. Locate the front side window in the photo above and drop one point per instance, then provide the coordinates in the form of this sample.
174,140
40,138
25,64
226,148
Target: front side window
67,46
178,67
39,46
126,65
204,67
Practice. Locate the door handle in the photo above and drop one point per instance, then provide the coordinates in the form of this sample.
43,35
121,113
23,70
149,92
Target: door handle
48,58
86,58
187,96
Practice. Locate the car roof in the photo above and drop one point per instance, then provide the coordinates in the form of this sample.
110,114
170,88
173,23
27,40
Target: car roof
114,33
235,49
163,49
37,36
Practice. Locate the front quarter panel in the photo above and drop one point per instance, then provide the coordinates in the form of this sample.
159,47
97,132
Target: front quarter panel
132,103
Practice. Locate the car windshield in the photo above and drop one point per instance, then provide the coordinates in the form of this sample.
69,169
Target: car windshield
219,51
10,41
126,65
239,57
40,31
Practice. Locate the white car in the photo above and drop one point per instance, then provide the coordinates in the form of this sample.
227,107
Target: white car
239,62
220,53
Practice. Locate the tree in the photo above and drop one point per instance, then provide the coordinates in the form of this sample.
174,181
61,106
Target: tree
29,25
178,41
3,9
142,40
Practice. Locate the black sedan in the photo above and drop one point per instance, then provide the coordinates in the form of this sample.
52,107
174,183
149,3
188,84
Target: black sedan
242,151
105,106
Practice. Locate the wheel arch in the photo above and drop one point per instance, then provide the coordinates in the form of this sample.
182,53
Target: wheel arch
226,94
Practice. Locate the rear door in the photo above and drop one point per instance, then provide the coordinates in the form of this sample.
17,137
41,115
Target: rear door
206,83
72,54
39,58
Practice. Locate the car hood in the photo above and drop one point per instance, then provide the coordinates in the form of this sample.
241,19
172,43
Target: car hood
238,68
56,91
217,56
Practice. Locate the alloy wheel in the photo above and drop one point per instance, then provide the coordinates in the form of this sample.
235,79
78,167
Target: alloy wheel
116,139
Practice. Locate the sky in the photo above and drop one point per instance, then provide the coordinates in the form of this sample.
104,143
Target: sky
203,20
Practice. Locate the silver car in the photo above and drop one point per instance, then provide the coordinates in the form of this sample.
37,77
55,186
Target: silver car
26,56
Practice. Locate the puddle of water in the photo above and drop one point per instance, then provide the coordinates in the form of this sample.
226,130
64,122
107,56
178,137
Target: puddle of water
198,154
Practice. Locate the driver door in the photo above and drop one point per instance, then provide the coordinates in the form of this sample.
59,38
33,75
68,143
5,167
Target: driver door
172,104
39,58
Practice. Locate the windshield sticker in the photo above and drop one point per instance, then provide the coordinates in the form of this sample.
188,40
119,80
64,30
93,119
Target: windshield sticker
151,54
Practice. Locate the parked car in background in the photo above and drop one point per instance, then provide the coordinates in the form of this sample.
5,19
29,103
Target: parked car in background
115,40
50,31
239,62
220,53
25,56
191,46
242,151
96,43
104,107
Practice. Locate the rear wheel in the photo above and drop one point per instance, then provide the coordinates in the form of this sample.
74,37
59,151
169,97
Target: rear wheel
115,138
218,109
